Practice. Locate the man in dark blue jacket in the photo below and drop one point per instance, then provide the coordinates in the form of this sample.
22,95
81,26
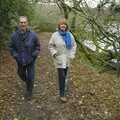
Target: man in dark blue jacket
25,48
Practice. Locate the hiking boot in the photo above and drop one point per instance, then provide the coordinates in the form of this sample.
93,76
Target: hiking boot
63,99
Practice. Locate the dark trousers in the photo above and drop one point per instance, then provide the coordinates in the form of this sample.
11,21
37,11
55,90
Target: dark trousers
26,73
62,73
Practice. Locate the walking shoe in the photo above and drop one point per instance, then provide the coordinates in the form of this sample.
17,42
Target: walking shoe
63,99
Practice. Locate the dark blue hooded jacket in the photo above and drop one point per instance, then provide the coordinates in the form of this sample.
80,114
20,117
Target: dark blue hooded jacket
24,46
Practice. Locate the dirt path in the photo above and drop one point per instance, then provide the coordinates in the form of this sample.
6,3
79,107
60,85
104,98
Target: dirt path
45,104
91,96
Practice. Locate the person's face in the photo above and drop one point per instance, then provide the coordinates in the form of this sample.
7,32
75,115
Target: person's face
63,27
23,23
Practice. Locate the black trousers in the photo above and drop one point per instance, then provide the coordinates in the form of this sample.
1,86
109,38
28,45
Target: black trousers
62,73
26,73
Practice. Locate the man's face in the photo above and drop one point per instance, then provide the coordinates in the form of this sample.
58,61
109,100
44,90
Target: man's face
23,23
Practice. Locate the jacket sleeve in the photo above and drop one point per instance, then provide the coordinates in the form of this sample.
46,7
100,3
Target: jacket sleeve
73,50
12,47
52,46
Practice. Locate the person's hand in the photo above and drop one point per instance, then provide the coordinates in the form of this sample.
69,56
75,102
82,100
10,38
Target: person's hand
54,56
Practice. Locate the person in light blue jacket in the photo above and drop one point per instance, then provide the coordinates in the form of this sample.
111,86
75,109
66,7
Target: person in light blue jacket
62,47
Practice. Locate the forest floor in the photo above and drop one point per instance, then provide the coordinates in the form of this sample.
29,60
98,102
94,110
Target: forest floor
91,96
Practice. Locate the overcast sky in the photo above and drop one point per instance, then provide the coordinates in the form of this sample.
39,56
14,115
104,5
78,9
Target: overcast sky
91,3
